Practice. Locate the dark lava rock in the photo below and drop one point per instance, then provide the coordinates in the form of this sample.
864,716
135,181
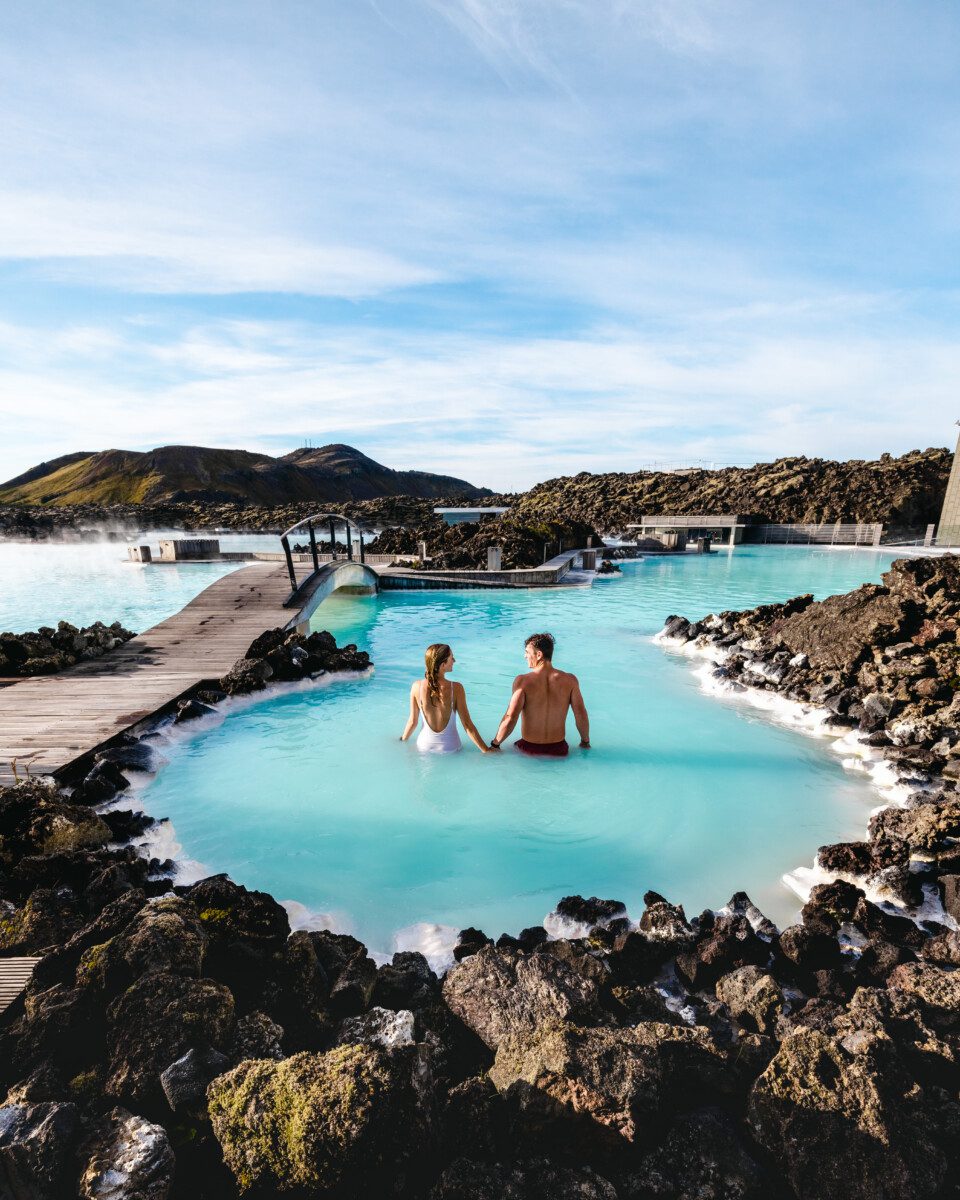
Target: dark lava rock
702,1158
590,912
723,946
191,710
465,1179
155,1022
363,1121
470,941
819,1105
185,1081
753,997
36,1144
497,993
830,906
406,982
137,756
127,1158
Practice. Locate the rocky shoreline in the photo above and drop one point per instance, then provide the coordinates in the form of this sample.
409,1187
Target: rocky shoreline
181,1041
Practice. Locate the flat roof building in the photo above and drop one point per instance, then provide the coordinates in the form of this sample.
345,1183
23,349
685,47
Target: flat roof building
456,516
723,528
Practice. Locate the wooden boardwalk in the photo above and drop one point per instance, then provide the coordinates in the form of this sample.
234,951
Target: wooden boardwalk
48,722
14,976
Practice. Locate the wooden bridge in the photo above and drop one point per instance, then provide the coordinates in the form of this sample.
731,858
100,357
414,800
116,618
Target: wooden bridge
48,722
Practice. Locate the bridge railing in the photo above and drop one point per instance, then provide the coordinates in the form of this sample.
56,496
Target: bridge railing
330,521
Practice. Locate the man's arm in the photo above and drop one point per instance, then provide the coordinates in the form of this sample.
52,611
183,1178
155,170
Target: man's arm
512,715
580,713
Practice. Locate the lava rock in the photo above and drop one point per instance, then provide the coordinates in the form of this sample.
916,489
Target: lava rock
127,1158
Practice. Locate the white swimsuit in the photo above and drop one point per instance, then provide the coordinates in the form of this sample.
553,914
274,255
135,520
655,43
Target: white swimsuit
447,740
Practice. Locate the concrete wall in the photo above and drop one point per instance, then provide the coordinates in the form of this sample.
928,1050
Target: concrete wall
948,529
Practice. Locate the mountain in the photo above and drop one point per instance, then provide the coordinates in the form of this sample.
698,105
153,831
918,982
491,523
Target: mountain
197,473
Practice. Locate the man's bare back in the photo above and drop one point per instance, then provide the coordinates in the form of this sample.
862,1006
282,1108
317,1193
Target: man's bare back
541,699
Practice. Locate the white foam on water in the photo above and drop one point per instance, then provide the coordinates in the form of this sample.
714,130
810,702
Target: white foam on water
301,917
434,942
896,787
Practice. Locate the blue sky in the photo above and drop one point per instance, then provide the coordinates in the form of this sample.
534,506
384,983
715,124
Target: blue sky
507,239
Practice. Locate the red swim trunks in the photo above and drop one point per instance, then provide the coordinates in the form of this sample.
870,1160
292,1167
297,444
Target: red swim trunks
544,749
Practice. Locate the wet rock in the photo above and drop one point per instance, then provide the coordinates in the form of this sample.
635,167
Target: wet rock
185,1081
589,912
158,1020
191,710
245,930
406,982
245,676
379,1027
125,824
949,887
102,782
129,756
831,905
805,950
637,957
818,1105
876,922
127,1158
726,943
753,997
741,905
353,1118
496,993
65,827
702,1158
36,1143
470,941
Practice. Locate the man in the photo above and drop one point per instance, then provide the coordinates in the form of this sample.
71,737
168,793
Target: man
542,698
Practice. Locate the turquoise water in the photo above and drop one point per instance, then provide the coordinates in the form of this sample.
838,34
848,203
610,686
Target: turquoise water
311,796
43,583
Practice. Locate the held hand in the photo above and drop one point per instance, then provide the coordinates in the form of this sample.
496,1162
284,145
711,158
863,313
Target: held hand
584,745
492,749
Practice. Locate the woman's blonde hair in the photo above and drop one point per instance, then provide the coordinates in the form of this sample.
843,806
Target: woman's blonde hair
435,657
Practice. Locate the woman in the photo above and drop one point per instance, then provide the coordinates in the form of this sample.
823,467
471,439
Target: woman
439,700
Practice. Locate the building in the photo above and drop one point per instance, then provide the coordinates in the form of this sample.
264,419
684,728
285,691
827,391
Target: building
724,530
456,516
948,530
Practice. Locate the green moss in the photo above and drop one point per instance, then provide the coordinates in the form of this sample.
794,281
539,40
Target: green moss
86,1086
91,966
314,1121
215,916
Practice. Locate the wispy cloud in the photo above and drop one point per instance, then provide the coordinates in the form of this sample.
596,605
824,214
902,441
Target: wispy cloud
507,237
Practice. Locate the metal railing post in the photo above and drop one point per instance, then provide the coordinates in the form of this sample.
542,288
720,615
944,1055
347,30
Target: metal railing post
333,541
290,571
349,542
313,547
360,535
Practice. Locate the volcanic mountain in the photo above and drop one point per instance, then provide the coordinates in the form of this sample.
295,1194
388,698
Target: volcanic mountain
198,473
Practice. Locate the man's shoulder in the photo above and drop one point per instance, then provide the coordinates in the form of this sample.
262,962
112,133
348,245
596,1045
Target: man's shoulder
565,676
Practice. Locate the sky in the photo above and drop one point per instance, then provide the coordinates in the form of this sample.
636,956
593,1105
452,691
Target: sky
502,239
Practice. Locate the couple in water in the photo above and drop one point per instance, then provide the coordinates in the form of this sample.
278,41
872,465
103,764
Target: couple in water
541,699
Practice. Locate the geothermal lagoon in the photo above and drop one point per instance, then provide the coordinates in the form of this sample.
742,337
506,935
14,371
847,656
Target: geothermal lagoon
308,793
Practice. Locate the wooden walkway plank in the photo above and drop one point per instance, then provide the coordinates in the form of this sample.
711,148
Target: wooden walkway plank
14,976
46,722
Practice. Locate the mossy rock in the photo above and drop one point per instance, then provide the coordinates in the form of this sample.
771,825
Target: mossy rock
347,1119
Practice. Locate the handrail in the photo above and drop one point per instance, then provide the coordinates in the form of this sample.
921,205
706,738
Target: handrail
331,518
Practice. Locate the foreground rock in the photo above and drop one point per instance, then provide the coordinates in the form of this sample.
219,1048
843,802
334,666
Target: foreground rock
353,1118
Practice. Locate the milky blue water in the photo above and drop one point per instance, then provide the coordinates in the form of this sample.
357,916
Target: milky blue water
46,582
311,796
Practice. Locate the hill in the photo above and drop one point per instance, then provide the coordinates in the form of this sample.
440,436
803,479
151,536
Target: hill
176,474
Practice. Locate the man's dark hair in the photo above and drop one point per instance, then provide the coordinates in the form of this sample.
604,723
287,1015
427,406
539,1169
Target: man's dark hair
542,642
